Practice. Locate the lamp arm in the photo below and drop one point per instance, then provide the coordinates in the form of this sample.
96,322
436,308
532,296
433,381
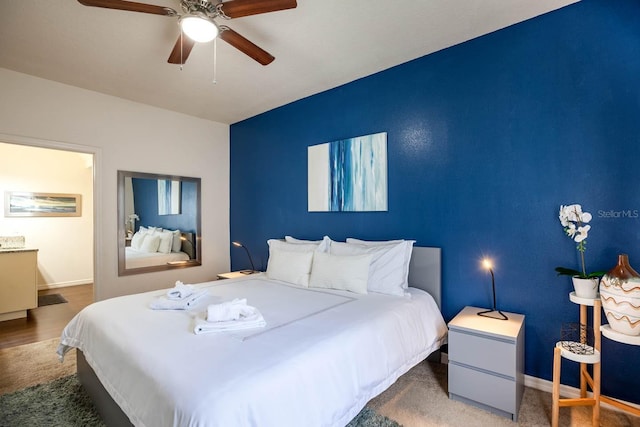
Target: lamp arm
253,268
493,287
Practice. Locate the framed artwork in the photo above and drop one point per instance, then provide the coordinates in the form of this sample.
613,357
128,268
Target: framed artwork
21,203
169,197
348,175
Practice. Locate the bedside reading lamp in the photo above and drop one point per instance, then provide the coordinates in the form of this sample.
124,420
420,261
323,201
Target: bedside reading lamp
486,263
253,268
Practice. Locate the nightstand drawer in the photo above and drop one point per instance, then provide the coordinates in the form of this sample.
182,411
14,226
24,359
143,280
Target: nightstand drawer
484,388
482,352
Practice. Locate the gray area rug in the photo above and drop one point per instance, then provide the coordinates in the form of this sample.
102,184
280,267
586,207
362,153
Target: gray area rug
63,402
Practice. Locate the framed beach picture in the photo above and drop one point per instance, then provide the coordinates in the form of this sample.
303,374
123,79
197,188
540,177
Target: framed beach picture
348,175
21,203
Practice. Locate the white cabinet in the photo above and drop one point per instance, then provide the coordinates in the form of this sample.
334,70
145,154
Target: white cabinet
18,285
486,361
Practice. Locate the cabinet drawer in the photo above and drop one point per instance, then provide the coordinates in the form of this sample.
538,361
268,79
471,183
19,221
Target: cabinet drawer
483,352
490,390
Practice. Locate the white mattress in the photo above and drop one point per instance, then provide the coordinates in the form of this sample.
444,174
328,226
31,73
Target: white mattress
138,259
322,356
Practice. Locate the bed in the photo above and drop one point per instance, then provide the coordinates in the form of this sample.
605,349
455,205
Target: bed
322,356
137,257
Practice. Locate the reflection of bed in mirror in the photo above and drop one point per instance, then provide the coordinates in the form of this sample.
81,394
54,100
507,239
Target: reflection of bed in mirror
140,257
159,215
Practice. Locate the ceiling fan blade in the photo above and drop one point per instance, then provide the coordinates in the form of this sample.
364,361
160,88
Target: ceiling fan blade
179,56
130,6
238,8
245,46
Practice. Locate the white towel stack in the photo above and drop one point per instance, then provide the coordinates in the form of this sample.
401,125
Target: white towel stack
180,291
233,315
181,297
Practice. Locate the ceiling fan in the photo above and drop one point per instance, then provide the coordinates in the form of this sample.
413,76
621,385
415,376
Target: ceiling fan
198,24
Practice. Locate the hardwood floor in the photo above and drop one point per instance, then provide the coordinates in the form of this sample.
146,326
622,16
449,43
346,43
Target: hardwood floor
46,322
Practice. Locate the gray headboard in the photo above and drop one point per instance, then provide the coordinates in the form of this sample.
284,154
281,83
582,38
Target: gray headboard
424,271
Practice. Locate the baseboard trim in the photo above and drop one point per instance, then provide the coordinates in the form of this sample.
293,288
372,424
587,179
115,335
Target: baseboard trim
64,284
568,391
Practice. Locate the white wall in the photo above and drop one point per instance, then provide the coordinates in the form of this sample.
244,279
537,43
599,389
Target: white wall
65,244
125,135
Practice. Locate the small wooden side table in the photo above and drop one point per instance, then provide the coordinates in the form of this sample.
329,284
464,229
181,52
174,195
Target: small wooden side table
589,357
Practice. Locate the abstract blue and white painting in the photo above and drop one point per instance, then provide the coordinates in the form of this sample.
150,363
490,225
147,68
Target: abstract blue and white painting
168,197
348,175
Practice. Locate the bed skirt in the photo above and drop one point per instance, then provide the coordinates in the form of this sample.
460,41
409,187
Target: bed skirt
108,409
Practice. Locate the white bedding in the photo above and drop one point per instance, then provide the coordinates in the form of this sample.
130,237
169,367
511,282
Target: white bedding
137,259
322,356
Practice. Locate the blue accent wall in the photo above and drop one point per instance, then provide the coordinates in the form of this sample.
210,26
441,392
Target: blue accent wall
145,200
486,140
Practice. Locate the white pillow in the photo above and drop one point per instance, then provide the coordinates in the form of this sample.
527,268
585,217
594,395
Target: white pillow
408,247
150,243
349,273
150,230
291,267
290,239
177,241
166,242
386,273
137,239
298,247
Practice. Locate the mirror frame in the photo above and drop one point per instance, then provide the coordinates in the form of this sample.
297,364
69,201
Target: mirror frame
122,270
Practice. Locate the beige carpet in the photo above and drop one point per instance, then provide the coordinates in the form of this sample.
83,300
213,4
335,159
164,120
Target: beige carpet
32,364
419,398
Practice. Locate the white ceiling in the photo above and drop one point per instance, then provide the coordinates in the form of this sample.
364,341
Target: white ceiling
319,45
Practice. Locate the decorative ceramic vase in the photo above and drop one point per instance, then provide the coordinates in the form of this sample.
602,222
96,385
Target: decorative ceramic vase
586,288
620,294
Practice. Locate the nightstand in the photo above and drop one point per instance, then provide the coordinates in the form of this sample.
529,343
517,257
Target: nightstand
486,361
235,274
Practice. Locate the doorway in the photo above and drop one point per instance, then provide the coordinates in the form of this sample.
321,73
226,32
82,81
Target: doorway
66,245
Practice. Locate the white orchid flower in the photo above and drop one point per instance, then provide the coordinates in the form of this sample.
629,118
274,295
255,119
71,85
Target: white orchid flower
564,215
575,226
582,233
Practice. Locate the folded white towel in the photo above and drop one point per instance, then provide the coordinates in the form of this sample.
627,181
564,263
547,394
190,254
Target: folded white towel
254,320
164,303
230,310
180,291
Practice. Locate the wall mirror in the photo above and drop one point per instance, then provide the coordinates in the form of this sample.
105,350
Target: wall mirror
158,222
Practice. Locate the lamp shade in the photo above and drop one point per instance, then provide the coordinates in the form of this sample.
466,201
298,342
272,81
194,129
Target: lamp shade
199,28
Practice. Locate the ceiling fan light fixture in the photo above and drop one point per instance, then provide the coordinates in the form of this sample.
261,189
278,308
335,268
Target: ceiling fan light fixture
199,28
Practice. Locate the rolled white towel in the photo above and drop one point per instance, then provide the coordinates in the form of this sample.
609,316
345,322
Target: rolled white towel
180,291
230,310
164,303
254,320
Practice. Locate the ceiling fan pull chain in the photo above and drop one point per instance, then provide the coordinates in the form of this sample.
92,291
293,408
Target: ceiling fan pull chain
215,60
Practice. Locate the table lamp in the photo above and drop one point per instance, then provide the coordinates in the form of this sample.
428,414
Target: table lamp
253,268
486,263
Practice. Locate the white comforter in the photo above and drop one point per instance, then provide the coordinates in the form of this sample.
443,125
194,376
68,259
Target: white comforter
137,259
322,356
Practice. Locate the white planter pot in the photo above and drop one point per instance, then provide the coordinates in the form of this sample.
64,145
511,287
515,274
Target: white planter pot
586,288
